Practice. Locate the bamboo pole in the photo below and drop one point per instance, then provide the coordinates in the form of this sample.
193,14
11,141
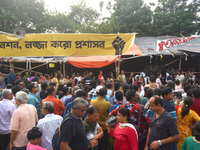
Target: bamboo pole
180,63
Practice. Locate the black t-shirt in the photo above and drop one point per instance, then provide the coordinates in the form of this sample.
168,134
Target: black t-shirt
87,80
73,131
161,128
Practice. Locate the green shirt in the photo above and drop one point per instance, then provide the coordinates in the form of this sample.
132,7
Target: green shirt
190,144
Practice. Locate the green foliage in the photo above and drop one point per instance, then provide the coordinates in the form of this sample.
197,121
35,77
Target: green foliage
170,17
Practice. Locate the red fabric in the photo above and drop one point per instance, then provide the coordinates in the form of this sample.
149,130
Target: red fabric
92,61
125,138
196,107
177,107
134,50
58,105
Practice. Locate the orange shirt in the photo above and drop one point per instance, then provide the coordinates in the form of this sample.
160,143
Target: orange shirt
58,105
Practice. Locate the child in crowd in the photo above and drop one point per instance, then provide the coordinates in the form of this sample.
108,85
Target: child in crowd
34,136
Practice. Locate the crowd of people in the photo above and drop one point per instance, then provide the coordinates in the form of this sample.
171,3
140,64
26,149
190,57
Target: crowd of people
100,113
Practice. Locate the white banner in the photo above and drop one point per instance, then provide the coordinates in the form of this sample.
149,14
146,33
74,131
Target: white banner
166,44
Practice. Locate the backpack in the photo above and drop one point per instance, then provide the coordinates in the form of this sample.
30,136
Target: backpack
57,134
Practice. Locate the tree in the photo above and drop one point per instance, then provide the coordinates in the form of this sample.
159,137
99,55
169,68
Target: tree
132,16
174,18
28,14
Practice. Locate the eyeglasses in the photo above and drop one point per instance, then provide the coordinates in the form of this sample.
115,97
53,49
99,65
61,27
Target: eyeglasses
82,110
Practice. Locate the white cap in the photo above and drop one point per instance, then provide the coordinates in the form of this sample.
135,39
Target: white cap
99,87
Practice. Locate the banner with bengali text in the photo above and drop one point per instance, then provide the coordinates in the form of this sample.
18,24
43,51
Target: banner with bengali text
65,44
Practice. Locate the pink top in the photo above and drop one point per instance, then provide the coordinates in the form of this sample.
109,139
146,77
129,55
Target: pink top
125,138
34,147
23,119
101,79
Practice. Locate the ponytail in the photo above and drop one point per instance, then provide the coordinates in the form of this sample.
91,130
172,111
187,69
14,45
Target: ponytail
188,101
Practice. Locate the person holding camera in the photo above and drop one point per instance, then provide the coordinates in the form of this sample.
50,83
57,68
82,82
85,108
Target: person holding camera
124,134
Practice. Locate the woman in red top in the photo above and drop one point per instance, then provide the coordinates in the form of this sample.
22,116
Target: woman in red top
101,78
124,133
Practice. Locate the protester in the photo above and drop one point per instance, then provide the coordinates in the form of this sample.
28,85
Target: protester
48,124
11,77
6,110
92,128
34,137
185,117
163,129
72,130
58,105
103,107
32,98
193,142
124,134
101,78
23,119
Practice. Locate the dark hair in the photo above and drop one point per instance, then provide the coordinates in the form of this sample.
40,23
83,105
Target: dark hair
116,86
64,91
60,86
18,81
9,86
157,91
190,81
108,85
35,79
52,84
130,94
189,92
80,93
91,109
119,95
93,83
15,89
43,86
87,88
102,91
196,92
69,84
124,111
134,87
177,82
165,91
185,110
158,74
50,90
152,78
31,86
125,88
187,87
158,100
80,86
149,93
145,89
197,131
34,133
170,84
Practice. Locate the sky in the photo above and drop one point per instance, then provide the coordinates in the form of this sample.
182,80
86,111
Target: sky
63,5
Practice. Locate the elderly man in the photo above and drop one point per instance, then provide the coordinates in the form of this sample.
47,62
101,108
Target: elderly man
23,119
48,124
92,128
6,110
32,98
73,134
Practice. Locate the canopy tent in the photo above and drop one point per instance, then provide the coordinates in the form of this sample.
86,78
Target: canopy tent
100,61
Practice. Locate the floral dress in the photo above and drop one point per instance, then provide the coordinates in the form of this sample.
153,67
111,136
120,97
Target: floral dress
184,123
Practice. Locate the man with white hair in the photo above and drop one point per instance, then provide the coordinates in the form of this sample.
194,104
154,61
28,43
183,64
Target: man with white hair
73,134
6,110
23,119
48,124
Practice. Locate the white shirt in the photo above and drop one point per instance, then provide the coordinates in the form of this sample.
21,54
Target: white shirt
6,110
48,126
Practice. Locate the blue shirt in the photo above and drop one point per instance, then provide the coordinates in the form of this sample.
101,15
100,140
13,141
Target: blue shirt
10,78
170,108
32,99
